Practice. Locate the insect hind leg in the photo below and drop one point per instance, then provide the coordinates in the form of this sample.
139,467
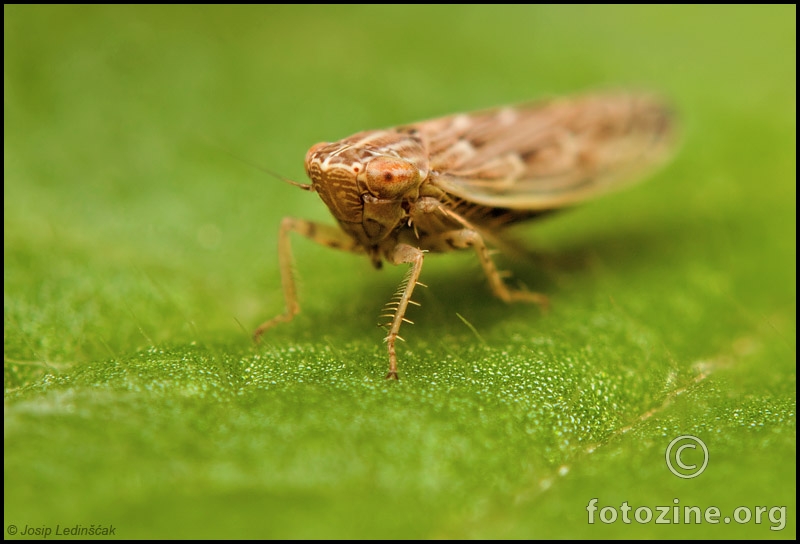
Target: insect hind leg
401,254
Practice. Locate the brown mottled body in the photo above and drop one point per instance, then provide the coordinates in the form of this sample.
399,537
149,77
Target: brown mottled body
452,183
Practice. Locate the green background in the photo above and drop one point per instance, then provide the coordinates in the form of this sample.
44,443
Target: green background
140,251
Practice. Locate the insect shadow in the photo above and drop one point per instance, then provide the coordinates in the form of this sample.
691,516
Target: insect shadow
458,291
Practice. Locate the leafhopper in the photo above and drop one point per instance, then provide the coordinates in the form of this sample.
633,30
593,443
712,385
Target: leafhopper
456,182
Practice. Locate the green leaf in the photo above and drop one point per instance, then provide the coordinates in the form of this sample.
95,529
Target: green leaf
140,255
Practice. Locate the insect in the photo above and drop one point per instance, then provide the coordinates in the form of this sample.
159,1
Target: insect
455,182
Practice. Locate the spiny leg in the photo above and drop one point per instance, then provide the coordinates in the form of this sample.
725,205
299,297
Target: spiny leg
402,253
324,235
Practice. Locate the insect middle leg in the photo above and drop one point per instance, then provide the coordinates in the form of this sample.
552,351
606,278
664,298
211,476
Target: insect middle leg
465,238
437,217
324,235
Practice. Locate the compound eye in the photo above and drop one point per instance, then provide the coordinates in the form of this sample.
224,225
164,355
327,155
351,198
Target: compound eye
391,178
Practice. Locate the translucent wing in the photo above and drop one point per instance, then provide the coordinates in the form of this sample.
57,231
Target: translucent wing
547,155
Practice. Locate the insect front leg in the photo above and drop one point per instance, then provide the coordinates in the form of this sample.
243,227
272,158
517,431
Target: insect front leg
324,235
466,237
401,253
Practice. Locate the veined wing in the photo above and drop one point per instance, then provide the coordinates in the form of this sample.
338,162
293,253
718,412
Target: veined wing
547,155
